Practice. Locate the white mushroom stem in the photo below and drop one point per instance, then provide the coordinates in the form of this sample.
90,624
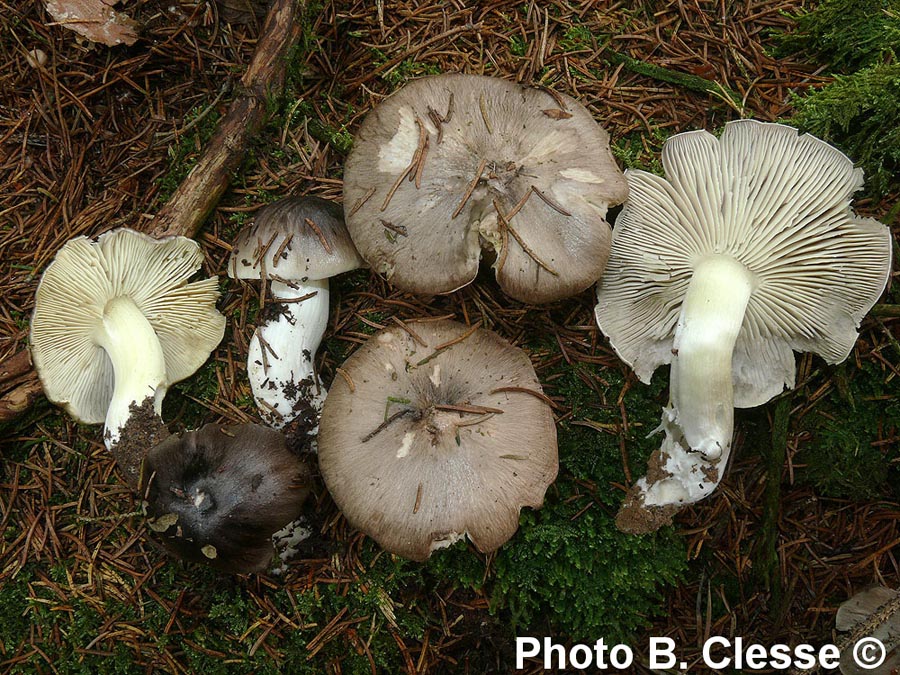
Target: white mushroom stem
137,360
281,353
700,421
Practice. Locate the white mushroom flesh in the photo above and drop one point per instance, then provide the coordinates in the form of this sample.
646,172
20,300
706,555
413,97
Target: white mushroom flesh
280,357
746,251
137,360
700,421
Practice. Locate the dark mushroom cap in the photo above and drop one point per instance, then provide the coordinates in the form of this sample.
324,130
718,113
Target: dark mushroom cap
435,165
295,239
436,442
218,494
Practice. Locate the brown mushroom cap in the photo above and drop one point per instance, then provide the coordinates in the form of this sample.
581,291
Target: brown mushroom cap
435,442
434,164
871,613
218,494
296,239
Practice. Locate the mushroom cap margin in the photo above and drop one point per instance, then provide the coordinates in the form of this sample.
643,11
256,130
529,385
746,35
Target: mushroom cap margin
555,145
280,242
776,201
412,490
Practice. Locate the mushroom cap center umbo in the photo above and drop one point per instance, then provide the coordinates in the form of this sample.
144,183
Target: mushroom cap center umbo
453,166
438,418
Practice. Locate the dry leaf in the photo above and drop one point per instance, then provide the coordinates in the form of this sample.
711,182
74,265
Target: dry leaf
557,114
94,19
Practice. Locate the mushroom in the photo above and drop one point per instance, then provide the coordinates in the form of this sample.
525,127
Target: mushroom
434,434
450,165
297,244
747,250
115,323
869,616
217,495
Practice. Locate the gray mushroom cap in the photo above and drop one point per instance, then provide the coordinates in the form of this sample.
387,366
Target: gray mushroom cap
295,239
434,442
452,164
873,613
779,204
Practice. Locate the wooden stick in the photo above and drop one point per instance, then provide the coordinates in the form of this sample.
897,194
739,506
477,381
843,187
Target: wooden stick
198,194
18,400
196,197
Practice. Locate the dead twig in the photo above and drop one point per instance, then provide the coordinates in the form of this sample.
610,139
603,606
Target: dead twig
470,189
199,193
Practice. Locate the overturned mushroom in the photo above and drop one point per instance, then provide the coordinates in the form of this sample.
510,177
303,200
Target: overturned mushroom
219,494
115,323
297,244
450,165
747,250
435,434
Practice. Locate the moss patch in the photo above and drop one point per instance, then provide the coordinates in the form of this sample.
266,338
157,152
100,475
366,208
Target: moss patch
569,571
860,111
841,460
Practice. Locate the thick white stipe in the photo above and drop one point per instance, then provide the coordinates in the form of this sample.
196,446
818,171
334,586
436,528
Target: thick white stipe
280,364
700,420
137,359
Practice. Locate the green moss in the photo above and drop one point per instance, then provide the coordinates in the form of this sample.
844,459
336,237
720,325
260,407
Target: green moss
578,36
181,402
686,81
14,620
518,46
407,70
860,114
847,34
568,570
184,152
640,150
842,458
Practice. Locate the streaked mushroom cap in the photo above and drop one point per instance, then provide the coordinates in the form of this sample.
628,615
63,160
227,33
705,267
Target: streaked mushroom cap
84,276
435,442
434,164
295,239
218,494
878,607
777,202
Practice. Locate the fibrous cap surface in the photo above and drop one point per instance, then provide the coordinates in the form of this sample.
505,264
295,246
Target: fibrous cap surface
453,164
434,443
295,239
